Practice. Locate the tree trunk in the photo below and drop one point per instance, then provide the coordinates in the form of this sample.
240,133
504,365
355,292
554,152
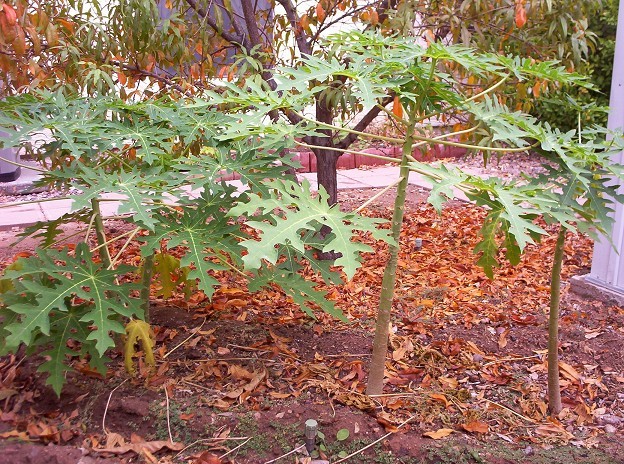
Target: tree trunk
382,330
326,159
326,174
554,390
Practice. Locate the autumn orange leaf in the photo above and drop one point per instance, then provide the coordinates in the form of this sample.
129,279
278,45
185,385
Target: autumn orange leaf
320,12
397,108
521,16
476,427
438,434
568,371
304,22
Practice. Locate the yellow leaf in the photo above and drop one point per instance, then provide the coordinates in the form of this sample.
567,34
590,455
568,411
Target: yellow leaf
438,434
138,332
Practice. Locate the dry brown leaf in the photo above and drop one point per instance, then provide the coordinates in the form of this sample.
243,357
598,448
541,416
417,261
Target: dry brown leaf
207,458
448,382
113,440
15,434
438,434
552,429
439,397
502,339
140,447
568,371
476,427
387,421
406,347
240,373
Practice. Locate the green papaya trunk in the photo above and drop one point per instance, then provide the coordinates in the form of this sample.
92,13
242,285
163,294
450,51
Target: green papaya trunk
382,327
554,390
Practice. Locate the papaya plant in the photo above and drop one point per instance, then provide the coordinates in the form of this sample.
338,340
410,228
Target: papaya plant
425,84
164,160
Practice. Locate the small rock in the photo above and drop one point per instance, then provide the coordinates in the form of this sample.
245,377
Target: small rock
528,451
610,429
477,358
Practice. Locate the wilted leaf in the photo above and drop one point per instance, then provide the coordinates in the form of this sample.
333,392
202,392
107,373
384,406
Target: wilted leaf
568,371
141,446
397,108
476,427
138,332
438,434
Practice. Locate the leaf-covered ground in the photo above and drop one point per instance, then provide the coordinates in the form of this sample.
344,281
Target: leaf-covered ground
238,376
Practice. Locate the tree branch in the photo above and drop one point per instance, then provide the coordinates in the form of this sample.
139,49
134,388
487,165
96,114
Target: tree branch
249,14
363,123
153,75
291,13
211,22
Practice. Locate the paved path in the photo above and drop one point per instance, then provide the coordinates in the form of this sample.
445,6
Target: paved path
19,216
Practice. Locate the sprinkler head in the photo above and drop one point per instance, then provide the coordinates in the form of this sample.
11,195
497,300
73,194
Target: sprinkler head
311,429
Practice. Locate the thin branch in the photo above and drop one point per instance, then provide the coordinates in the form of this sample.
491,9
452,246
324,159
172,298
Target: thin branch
158,77
212,23
474,97
450,134
185,340
286,454
378,194
114,239
114,262
363,123
291,13
234,449
353,152
25,166
168,415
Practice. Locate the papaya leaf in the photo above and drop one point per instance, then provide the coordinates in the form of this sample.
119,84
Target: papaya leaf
167,267
302,291
202,232
488,246
73,276
65,326
302,212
